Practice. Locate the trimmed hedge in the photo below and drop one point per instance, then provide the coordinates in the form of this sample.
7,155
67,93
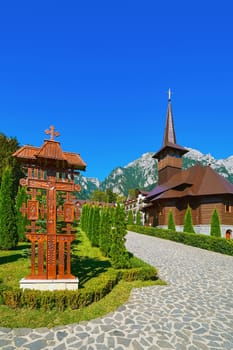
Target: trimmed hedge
94,290
139,270
62,299
215,244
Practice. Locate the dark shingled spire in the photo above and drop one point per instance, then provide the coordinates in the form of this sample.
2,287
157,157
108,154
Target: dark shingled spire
169,134
169,139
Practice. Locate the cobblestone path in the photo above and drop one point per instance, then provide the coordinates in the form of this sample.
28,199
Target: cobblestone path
194,311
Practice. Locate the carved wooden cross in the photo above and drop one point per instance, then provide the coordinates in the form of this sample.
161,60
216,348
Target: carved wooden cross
33,227
33,192
52,132
68,197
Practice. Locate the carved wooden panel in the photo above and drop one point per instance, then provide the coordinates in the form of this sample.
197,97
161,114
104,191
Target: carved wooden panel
33,210
68,212
51,257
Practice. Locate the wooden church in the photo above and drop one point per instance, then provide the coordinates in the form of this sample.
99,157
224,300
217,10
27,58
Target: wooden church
200,187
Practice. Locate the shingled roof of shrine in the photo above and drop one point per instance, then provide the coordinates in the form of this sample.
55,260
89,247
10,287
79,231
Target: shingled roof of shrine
50,149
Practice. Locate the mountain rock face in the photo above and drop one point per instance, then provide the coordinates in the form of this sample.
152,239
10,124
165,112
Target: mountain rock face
142,173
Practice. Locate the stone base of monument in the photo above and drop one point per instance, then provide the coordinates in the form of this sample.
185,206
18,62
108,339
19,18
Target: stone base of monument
62,284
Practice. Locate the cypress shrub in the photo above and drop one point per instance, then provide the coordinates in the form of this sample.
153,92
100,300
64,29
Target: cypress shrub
21,221
138,218
118,254
215,229
82,218
130,217
188,222
105,232
170,221
90,222
96,226
8,228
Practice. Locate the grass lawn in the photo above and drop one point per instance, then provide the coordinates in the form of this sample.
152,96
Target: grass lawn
87,263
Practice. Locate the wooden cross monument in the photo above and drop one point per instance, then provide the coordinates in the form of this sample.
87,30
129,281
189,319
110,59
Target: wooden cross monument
52,170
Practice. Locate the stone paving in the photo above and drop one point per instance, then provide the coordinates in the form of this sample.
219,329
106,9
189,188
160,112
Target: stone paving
194,311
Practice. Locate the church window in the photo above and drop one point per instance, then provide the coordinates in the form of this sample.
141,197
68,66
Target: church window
227,207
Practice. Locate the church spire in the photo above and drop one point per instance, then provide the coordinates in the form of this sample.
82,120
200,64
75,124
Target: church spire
169,134
170,155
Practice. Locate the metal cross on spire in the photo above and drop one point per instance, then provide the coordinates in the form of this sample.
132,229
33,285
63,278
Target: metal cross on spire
169,94
51,131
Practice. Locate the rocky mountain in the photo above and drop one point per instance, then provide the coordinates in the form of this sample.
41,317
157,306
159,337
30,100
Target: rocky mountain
142,173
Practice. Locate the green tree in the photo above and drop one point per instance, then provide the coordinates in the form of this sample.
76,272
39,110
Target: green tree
111,196
96,226
90,222
138,218
99,196
188,222
130,220
8,228
170,221
8,146
215,229
133,193
105,234
83,218
119,255
21,221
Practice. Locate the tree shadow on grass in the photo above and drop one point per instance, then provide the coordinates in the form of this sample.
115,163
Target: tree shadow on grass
14,254
9,258
86,268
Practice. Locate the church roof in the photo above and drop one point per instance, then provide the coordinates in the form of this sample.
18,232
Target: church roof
195,181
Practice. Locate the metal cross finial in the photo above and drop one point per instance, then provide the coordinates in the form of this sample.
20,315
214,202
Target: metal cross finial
169,94
52,132
209,159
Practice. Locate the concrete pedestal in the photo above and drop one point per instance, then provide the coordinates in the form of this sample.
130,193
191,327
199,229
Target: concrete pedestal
63,284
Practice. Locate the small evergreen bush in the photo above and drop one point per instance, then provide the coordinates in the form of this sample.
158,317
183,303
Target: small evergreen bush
215,229
170,221
188,222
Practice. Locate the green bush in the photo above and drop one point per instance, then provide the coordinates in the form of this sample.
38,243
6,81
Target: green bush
95,289
139,270
215,229
170,221
188,221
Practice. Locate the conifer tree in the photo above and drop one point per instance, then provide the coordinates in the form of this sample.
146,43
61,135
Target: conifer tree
138,218
90,222
8,146
86,218
188,222
130,217
106,223
119,255
95,226
170,221
215,229
82,218
8,228
21,221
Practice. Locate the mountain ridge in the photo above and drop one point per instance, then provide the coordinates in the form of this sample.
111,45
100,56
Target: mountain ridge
142,173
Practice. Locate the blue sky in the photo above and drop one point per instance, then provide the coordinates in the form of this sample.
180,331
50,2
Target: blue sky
99,72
